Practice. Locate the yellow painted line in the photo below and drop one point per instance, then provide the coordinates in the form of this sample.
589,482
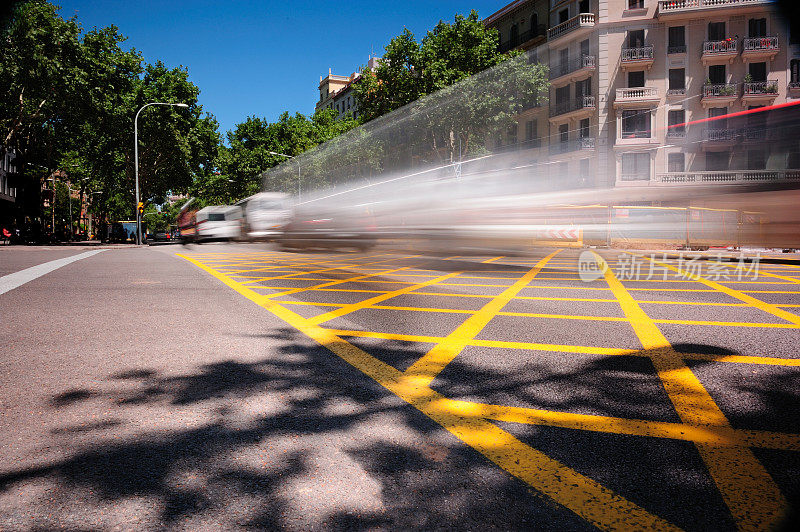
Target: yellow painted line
434,361
327,260
768,292
716,436
561,316
750,493
323,270
693,303
578,299
377,299
730,324
750,300
587,498
358,278
578,349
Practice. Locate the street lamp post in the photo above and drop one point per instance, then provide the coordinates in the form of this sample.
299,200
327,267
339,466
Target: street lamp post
136,160
299,197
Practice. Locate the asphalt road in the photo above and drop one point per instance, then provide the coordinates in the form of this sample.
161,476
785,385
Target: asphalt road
239,387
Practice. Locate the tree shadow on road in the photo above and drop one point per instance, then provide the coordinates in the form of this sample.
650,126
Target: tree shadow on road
300,439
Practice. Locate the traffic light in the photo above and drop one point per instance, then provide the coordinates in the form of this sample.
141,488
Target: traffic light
140,208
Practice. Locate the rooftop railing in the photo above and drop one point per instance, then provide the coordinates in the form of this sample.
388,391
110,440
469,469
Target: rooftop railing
676,6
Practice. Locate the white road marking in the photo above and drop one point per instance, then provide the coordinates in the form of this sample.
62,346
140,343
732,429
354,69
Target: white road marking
17,279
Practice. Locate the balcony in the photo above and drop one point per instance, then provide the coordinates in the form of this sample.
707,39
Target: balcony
636,97
794,89
676,93
574,27
579,107
676,132
690,8
637,58
760,92
719,139
757,135
719,94
573,71
760,48
570,146
719,52
676,49
732,177
524,37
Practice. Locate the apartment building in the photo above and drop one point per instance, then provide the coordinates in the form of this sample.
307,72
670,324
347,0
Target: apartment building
637,86
8,190
336,92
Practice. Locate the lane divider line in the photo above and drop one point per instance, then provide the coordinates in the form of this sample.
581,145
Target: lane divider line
17,279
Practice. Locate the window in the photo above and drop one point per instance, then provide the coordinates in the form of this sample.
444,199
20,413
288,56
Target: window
636,39
719,123
716,74
677,40
677,80
717,161
586,178
635,166
583,88
757,27
585,47
676,162
563,133
562,95
794,32
583,131
514,37
511,133
794,71
635,4
636,124
563,16
636,78
758,71
583,6
563,58
534,25
756,160
716,31
531,130
793,159
676,123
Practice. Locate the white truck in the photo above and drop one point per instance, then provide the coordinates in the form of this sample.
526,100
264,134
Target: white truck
219,222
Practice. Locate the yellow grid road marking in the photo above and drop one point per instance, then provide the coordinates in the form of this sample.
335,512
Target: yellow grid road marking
426,368
587,498
741,296
750,493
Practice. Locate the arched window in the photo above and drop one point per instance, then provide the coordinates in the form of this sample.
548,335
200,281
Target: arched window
514,36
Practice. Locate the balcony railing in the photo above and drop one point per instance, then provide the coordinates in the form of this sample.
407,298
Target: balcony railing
677,49
636,93
525,36
643,53
583,20
760,88
676,92
720,135
761,44
720,90
733,177
583,143
583,102
674,132
754,134
726,46
677,6
586,61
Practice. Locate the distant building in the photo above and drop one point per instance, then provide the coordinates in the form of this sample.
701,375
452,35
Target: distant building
336,92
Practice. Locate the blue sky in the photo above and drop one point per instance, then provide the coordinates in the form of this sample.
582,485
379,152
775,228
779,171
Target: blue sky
263,58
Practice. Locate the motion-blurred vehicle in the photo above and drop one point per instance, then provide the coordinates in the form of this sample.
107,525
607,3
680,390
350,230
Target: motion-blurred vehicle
330,226
266,215
218,222
160,236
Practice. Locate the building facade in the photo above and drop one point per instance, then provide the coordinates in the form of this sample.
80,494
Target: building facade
336,92
642,91
8,189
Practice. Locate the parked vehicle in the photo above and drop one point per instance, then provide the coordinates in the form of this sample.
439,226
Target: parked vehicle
219,222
